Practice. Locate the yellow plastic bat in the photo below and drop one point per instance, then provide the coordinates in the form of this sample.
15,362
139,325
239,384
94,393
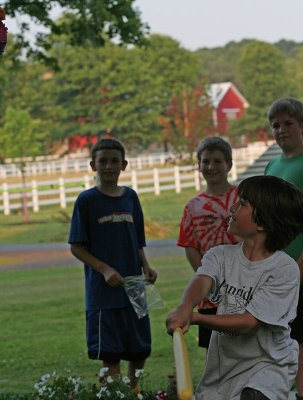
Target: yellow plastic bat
183,375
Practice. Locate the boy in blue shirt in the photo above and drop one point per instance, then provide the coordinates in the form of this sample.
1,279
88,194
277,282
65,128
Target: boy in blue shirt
107,235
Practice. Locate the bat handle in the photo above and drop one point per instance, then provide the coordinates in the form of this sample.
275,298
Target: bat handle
183,375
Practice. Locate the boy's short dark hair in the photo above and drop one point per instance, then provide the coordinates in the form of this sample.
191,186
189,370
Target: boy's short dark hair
286,105
215,143
277,208
108,143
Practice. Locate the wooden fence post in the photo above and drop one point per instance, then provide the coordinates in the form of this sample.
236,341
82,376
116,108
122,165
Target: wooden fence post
156,181
86,182
134,180
62,193
233,171
6,208
89,168
197,180
3,172
177,179
35,196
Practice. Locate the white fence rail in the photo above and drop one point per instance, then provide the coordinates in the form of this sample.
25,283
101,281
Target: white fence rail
63,191
63,166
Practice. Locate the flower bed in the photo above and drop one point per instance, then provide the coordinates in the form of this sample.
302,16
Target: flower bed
56,387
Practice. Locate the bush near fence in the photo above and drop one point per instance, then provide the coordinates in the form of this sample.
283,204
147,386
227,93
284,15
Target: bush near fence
62,191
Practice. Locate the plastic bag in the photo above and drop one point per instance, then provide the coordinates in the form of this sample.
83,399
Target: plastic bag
142,294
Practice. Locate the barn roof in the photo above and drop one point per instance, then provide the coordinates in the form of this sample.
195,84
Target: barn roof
217,91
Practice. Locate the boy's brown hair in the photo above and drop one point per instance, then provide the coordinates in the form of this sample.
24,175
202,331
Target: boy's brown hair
215,143
286,105
108,143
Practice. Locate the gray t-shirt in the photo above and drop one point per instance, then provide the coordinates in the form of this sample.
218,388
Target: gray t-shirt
265,360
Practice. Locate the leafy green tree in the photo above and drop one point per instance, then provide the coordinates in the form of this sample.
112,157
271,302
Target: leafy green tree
120,90
264,78
263,73
20,137
88,22
294,68
220,63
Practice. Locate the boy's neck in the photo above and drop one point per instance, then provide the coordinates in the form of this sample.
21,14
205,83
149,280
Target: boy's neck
293,153
255,250
110,190
215,190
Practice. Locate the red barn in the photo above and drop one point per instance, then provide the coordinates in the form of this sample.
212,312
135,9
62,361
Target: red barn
229,104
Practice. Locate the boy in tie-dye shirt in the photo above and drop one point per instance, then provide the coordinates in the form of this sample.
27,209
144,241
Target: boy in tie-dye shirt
204,221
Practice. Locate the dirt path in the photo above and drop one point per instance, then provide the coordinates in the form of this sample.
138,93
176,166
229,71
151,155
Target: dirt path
22,256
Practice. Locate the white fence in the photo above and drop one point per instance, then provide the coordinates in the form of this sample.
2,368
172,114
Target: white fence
63,166
63,191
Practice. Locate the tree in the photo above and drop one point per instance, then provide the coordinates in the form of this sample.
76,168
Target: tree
264,78
88,22
220,63
121,90
20,137
188,118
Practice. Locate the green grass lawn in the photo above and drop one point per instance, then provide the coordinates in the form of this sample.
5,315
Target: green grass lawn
51,224
43,326
42,310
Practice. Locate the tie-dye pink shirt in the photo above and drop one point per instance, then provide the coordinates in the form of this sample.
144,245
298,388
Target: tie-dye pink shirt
205,220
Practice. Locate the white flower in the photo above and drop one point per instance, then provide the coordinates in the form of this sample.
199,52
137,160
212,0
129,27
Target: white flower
109,379
45,378
140,396
120,394
103,371
102,390
139,372
126,380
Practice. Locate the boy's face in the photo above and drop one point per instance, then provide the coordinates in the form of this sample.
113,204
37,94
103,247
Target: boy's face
108,164
214,167
288,133
241,221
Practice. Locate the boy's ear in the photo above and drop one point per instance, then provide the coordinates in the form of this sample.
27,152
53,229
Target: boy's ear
124,165
93,165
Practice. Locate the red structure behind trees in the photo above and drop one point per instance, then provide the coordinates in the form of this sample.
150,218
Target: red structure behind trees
228,105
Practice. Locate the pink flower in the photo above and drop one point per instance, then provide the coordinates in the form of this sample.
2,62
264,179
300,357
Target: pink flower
161,395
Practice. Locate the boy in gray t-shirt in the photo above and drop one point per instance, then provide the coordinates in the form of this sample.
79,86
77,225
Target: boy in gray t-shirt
256,287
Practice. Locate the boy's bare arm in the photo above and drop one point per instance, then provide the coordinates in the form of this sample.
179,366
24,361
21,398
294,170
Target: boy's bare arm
150,274
111,276
196,291
194,258
242,324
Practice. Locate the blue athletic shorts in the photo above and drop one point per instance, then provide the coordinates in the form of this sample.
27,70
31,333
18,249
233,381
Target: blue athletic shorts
117,334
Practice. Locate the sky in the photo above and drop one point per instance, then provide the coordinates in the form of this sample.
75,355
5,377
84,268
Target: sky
214,23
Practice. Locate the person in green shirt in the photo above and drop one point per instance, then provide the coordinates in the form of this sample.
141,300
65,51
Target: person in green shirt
285,118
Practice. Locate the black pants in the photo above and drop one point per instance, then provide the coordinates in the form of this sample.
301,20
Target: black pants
252,394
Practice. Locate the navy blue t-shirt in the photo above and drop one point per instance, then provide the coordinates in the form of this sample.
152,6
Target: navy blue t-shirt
112,229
